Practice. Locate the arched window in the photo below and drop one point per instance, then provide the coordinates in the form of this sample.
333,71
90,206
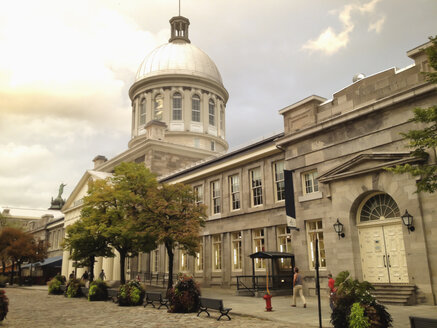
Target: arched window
211,112
195,108
379,207
177,107
143,112
158,107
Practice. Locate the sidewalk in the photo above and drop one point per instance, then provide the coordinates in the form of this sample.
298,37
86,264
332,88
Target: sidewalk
305,318
298,317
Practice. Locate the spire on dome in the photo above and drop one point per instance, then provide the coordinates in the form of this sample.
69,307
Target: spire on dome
179,29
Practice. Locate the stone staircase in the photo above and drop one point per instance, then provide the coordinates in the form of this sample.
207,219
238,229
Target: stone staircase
395,294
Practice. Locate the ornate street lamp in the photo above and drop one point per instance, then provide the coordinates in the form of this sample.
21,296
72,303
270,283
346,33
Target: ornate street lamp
338,227
407,219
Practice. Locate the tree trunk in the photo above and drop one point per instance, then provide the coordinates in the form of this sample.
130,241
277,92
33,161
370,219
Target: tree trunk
170,253
122,266
20,279
91,268
4,267
11,281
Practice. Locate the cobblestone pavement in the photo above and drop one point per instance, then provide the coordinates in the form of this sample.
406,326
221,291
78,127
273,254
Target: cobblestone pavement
35,308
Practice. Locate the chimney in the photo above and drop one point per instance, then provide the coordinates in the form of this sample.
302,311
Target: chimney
99,160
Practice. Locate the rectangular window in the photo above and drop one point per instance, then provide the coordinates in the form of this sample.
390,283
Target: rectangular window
310,183
234,186
183,261
256,187
258,246
198,194
198,265
211,111
217,253
284,246
315,230
279,181
236,251
215,197
177,107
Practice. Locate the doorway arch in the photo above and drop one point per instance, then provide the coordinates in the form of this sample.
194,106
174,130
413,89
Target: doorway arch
381,239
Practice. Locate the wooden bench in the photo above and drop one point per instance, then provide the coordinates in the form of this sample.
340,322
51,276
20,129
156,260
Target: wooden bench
215,304
152,297
417,322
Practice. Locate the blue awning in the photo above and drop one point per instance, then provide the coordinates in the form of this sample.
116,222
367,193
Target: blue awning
52,261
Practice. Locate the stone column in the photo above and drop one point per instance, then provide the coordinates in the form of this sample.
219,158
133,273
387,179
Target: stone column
65,263
116,267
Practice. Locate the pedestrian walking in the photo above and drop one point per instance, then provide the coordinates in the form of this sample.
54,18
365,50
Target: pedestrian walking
332,291
71,276
297,287
102,275
85,277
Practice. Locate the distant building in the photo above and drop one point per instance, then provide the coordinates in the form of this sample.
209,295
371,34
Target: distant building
279,194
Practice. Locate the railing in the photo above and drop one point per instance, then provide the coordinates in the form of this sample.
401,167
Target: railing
155,279
256,283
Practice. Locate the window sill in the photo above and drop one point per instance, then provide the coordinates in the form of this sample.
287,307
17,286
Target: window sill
312,196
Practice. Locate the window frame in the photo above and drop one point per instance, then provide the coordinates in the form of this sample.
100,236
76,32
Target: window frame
215,197
256,191
310,232
176,113
233,192
198,195
312,186
158,109
194,110
260,264
237,254
217,257
279,190
142,112
283,233
211,112
198,260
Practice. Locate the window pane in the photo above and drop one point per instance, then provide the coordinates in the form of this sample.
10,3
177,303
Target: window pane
211,112
177,107
195,108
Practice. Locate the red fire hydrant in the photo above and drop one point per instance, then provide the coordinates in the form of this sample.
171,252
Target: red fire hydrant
268,298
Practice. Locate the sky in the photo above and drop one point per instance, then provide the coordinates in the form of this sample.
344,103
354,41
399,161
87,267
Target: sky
66,68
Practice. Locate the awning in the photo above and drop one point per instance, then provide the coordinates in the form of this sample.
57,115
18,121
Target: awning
271,255
55,261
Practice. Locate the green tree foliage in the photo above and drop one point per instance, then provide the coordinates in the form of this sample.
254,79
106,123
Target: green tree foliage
20,247
113,205
175,220
357,318
85,242
425,139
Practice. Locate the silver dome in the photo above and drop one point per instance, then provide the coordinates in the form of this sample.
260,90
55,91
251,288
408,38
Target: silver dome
178,58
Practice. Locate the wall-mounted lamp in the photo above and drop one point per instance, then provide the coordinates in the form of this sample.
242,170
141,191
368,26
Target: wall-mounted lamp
407,219
338,227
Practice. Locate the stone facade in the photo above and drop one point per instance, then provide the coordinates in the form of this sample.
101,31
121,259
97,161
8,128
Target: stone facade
348,141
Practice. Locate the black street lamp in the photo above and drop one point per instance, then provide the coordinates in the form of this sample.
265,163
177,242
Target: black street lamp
407,219
338,227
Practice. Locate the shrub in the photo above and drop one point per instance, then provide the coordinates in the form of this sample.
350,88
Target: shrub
131,294
357,318
73,288
184,297
55,287
351,291
3,281
3,305
98,291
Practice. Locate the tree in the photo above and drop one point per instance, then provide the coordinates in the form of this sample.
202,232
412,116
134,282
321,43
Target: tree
113,205
424,140
21,247
175,219
85,243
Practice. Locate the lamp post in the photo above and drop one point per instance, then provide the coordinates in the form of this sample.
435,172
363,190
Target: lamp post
407,220
338,227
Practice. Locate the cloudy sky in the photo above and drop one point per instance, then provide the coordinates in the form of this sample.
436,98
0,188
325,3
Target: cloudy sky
66,67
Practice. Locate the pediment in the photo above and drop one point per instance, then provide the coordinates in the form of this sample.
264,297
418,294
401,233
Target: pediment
366,163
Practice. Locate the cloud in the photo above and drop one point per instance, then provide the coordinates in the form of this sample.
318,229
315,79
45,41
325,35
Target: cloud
377,26
330,42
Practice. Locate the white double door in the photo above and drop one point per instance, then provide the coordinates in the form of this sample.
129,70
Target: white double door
383,254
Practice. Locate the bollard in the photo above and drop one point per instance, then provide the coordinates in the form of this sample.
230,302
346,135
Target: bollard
268,298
